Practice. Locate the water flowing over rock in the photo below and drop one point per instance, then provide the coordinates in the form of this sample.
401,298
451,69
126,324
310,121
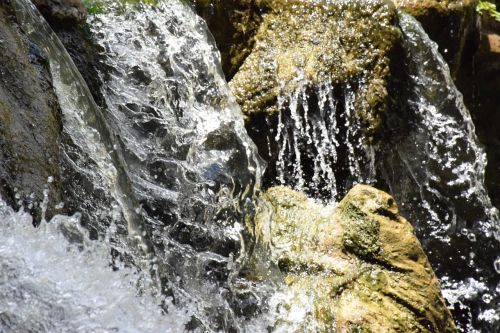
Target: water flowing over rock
419,143
166,168
126,121
446,196
30,124
355,267
327,61
55,279
450,23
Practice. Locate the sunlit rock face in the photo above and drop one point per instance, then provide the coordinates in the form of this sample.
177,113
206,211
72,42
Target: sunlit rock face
317,78
319,43
355,267
30,123
450,23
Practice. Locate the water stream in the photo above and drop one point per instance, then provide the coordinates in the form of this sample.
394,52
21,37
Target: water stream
430,160
164,175
165,172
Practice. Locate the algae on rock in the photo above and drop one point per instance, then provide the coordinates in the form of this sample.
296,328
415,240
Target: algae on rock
356,267
343,43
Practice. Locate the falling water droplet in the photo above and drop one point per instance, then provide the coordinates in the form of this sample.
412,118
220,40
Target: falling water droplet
487,298
496,264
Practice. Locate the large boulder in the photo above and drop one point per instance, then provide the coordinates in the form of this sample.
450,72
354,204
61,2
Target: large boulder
356,267
30,124
339,43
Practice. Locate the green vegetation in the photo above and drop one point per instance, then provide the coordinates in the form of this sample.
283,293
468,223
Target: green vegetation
93,6
488,8
98,6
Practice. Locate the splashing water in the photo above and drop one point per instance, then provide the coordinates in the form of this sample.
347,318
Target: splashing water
431,162
55,279
166,171
434,166
320,141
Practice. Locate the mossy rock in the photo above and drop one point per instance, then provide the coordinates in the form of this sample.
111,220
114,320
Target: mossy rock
340,43
356,267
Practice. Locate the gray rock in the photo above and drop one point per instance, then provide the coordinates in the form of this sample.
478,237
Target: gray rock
30,123
62,12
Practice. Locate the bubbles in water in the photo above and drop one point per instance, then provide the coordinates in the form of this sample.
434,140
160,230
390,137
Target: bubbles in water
487,298
496,264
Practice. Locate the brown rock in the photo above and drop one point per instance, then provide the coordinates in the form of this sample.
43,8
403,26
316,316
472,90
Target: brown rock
356,267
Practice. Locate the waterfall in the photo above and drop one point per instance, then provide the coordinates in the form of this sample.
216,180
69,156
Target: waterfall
434,166
55,279
429,159
320,140
165,172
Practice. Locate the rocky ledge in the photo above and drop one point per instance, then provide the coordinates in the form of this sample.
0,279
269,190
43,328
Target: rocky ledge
356,267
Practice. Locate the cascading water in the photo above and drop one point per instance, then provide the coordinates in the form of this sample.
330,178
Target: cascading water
166,172
55,279
434,166
430,161
320,141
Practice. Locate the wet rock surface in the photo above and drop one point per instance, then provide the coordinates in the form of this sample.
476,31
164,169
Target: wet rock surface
67,19
233,24
62,12
30,123
450,23
338,43
357,267
479,81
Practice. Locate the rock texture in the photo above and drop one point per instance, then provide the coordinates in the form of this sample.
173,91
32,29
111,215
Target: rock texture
354,268
339,43
233,24
30,123
62,12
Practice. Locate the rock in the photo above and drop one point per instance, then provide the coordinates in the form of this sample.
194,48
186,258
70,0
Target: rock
339,43
233,24
450,23
30,123
357,267
62,12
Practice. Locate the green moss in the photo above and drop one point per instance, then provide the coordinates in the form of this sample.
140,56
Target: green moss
361,234
99,6
351,288
488,8
344,43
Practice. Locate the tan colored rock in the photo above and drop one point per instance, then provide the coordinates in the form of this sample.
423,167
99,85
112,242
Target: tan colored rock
357,267
340,43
